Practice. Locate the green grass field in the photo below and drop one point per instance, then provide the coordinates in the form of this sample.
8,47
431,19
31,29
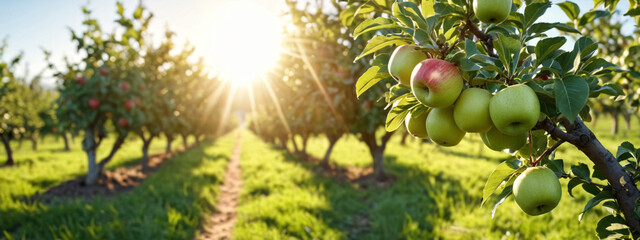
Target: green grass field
436,196
168,205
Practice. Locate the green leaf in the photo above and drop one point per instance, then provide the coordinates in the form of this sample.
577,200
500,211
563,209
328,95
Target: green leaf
581,170
586,47
625,151
571,9
369,25
379,42
503,196
544,26
572,184
508,51
427,8
546,47
612,227
603,195
502,173
571,95
611,89
591,16
534,11
398,113
367,80
398,12
633,12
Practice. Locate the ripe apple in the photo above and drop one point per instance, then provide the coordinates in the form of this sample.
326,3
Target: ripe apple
81,80
471,111
124,86
94,103
441,127
128,105
123,122
515,109
498,141
436,83
492,11
103,72
402,62
417,124
537,190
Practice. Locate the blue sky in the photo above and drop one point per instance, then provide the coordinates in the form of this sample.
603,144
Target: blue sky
34,24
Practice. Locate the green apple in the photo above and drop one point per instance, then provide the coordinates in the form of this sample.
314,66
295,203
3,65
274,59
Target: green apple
441,127
402,62
417,124
515,109
471,111
436,83
492,11
498,141
537,190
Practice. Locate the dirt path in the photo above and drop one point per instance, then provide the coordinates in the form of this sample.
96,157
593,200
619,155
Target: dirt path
221,223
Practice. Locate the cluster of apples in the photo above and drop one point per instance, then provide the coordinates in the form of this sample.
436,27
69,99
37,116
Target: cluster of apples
503,119
94,103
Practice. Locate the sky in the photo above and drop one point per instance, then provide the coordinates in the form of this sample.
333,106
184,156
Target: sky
32,25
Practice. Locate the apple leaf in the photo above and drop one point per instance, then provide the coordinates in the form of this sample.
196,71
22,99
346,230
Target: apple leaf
581,170
592,16
533,11
367,80
546,47
613,227
625,151
503,196
509,52
398,113
427,8
544,26
574,182
571,95
369,25
502,173
571,9
603,195
379,42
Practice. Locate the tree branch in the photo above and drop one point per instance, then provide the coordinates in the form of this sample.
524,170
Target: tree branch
485,38
549,150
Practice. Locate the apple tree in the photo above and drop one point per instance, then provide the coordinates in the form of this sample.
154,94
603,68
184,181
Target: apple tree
11,103
529,91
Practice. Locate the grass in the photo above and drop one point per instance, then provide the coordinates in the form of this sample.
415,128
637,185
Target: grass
437,195
170,204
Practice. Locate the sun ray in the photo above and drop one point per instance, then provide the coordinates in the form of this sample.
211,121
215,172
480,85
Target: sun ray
278,107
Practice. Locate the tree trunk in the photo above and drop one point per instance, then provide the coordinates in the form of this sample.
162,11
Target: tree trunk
184,141
378,163
7,147
168,149
89,146
304,146
614,124
65,139
34,143
327,154
197,139
116,146
145,153
295,145
404,138
623,187
627,120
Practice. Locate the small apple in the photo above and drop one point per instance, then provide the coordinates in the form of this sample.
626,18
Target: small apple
442,128
123,122
81,80
124,86
128,105
94,103
471,111
436,83
54,130
498,141
103,72
543,77
515,109
402,62
537,190
492,11
417,124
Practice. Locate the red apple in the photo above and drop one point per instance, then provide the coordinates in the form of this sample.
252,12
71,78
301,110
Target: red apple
123,122
124,86
81,80
94,103
54,130
128,105
436,83
103,72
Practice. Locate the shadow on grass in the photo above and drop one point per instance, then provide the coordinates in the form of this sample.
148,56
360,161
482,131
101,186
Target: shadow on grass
409,208
167,205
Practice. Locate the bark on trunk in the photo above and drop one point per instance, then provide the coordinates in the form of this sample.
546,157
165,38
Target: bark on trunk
623,187
295,145
377,153
89,146
184,141
34,143
327,154
404,138
627,120
7,147
168,149
304,147
65,139
145,154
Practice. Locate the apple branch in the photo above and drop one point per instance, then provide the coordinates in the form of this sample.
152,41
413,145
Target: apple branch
485,38
623,188
549,150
